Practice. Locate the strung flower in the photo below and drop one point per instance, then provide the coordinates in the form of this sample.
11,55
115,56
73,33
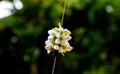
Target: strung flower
58,40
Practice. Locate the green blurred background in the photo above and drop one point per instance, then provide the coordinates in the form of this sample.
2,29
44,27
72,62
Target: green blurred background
95,27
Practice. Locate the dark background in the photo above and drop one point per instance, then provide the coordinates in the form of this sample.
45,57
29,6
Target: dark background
95,35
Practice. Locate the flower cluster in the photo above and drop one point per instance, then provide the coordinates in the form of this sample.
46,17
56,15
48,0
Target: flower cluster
58,40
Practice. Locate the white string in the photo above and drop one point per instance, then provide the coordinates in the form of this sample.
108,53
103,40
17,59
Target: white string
54,65
61,25
63,12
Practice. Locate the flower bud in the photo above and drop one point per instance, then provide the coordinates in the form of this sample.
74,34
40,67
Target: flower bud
60,29
47,47
51,32
50,38
61,50
50,45
66,31
47,42
58,36
67,38
69,48
57,41
63,42
56,47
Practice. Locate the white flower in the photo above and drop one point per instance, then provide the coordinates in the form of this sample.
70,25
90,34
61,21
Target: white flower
47,47
63,42
60,29
67,38
69,48
57,41
51,32
61,50
66,31
47,42
67,44
58,35
50,45
50,38
56,47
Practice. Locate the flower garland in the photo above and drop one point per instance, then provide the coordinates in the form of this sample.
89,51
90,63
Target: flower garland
58,40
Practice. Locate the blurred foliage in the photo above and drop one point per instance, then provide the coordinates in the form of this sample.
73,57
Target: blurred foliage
95,31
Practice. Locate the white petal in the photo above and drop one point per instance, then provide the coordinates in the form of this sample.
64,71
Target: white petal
51,32
47,47
67,44
61,50
50,38
50,45
60,29
69,48
64,37
64,43
47,42
58,36
67,38
57,41
67,31
56,47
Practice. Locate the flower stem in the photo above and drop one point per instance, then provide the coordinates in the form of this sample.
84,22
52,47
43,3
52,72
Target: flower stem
59,25
54,65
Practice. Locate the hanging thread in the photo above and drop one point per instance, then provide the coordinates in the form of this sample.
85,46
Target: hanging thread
63,12
61,25
54,65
